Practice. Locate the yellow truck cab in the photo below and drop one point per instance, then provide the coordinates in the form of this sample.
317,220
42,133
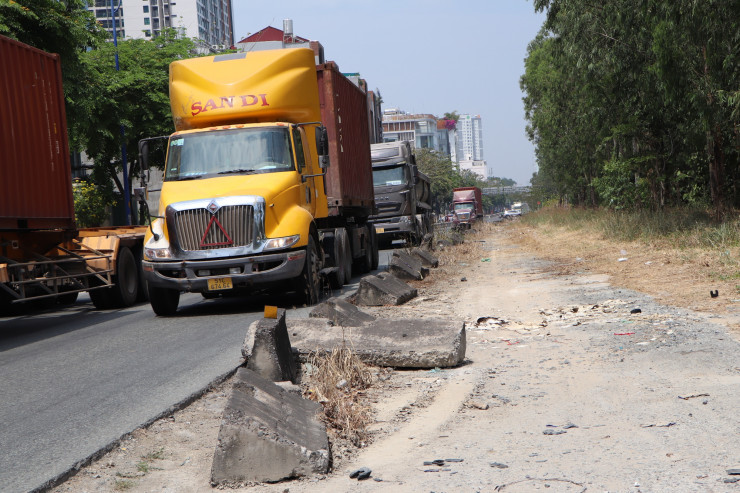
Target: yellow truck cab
248,200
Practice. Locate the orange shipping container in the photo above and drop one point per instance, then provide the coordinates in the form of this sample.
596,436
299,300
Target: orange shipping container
35,173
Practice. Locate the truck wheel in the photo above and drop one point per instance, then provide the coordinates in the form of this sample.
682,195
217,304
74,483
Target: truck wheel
102,299
347,264
143,286
67,298
337,278
164,301
126,280
366,261
308,284
374,246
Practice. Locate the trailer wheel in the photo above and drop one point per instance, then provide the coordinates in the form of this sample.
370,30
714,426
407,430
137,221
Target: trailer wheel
102,299
308,285
337,279
365,262
164,301
126,287
143,286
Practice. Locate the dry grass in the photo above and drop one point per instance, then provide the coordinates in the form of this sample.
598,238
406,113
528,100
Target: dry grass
337,380
677,267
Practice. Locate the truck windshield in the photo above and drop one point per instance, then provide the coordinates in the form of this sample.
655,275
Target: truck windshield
463,206
219,152
389,176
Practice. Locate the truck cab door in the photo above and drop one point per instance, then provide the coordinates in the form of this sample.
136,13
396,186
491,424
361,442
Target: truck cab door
302,159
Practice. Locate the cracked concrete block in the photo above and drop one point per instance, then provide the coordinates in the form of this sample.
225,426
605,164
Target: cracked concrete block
397,343
267,349
341,312
268,434
383,289
408,267
426,257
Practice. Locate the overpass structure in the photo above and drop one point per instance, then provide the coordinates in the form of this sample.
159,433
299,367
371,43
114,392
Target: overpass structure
506,190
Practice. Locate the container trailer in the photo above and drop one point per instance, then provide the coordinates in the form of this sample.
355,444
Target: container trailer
43,255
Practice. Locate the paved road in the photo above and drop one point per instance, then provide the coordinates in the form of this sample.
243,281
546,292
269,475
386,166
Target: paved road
77,379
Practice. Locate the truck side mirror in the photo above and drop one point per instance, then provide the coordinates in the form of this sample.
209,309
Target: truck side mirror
415,172
322,146
144,154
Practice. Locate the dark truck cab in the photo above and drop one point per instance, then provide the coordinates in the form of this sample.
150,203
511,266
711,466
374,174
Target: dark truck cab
401,194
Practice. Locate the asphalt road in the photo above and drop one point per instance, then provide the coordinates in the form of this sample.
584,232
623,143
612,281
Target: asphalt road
75,380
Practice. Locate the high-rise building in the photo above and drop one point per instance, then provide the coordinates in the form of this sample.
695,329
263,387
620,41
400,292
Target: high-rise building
470,133
209,21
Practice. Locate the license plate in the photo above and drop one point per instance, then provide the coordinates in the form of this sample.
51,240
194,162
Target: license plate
379,230
219,284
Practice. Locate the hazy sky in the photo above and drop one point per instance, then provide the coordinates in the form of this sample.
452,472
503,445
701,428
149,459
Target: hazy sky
426,56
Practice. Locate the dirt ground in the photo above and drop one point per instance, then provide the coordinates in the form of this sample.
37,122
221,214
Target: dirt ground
565,387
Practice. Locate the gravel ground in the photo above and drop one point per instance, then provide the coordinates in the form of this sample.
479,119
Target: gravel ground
565,388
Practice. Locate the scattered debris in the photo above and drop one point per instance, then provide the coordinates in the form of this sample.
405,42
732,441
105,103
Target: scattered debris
361,473
622,259
478,405
463,279
498,465
635,310
734,471
714,293
692,396
569,426
624,333
551,431
435,462
653,425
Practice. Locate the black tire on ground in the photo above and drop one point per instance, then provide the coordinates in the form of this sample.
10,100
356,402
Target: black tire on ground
374,243
126,280
347,265
164,301
365,262
308,284
102,298
67,298
143,286
337,278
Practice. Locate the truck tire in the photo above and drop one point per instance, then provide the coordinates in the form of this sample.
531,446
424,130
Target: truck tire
102,298
67,298
143,286
164,301
364,263
347,265
374,244
337,279
126,280
308,284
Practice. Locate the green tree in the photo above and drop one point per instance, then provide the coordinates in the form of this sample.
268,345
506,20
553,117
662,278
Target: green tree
442,173
136,97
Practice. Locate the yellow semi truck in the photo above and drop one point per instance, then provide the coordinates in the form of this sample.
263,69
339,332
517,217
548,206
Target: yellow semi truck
268,179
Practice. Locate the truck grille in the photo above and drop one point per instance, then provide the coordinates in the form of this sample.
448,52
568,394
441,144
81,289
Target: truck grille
231,226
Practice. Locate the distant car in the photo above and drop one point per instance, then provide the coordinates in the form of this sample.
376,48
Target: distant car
512,212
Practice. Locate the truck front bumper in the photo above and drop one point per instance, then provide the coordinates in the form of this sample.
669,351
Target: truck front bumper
244,272
388,230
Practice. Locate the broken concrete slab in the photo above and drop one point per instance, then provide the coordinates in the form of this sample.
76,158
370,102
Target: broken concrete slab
404,343
267,349
406,266
426,257
383,289
268,434
341,312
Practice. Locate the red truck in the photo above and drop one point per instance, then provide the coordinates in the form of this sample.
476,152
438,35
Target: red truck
467,205
43,255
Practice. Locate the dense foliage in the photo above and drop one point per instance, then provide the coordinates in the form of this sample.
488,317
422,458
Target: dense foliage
636,103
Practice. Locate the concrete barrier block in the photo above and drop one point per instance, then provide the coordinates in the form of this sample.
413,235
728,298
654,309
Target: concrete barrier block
268,434
426,257
383,289
267,349
341,312
407,267
397,343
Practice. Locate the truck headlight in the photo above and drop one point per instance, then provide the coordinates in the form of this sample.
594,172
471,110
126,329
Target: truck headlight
405,219
280,243
157,249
